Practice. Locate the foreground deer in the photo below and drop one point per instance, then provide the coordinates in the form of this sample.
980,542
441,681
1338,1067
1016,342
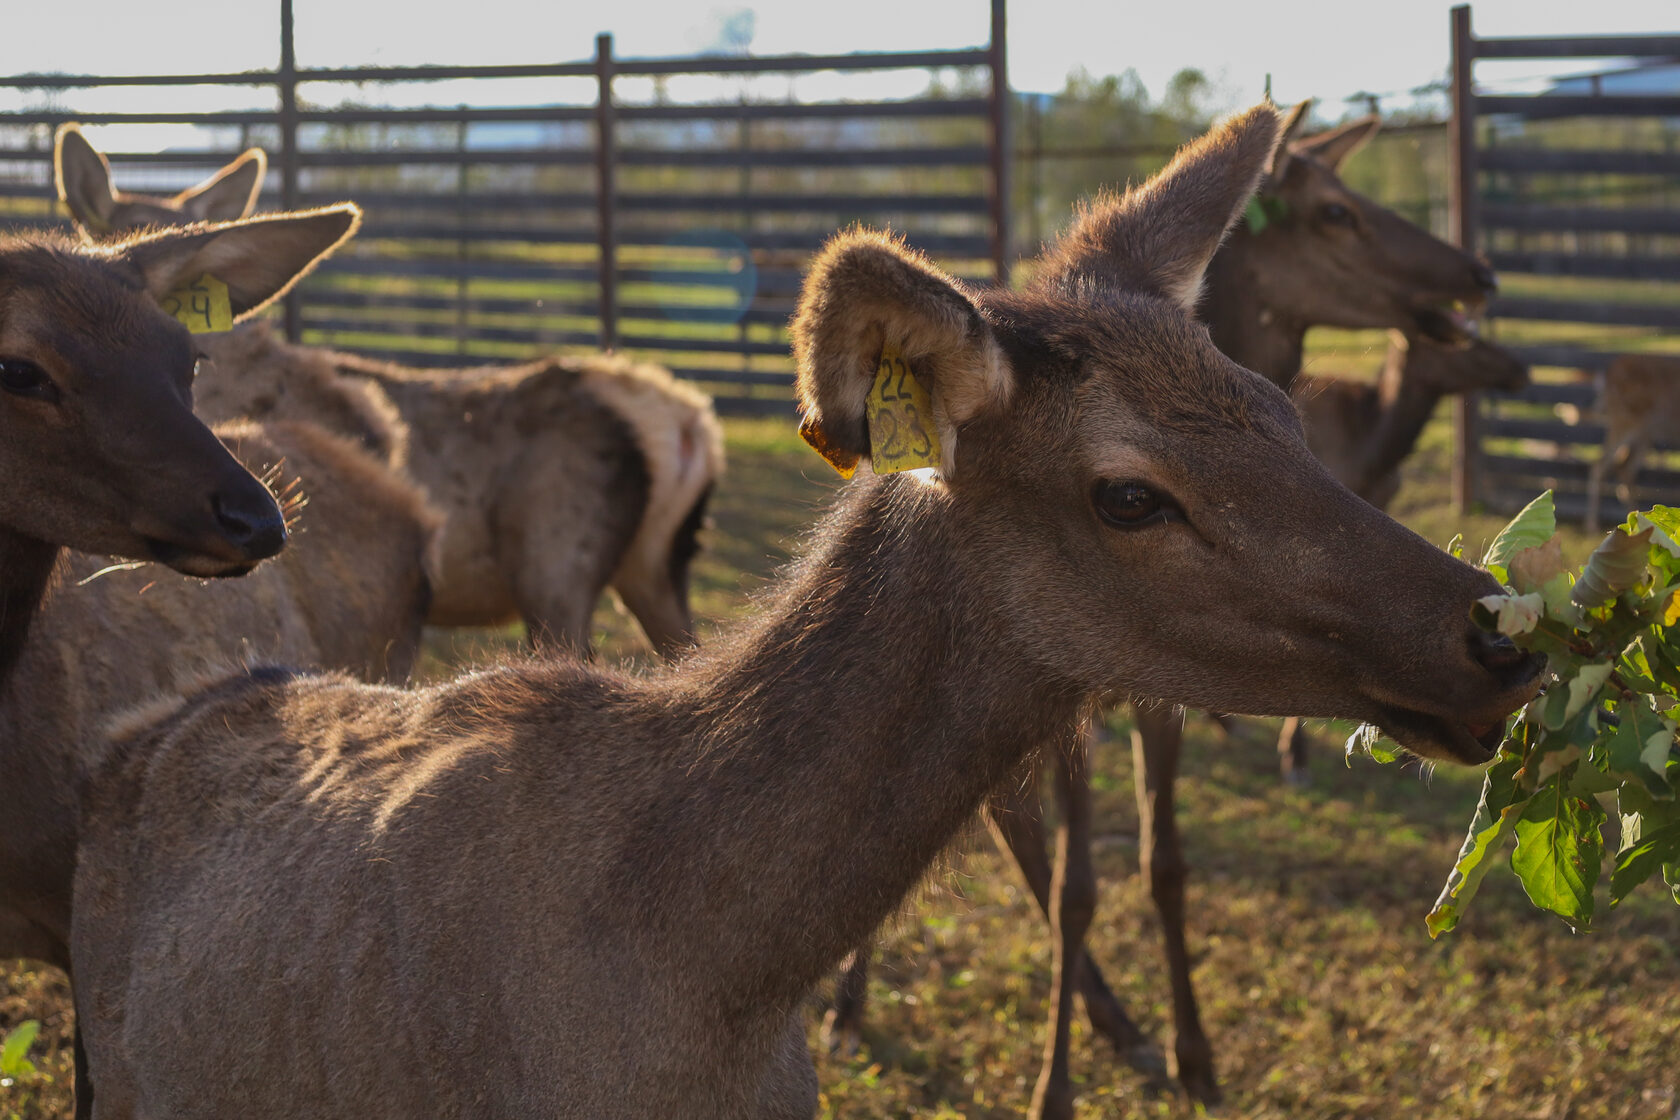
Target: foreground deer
1318,253
99,449
1641,404
557,478
286,883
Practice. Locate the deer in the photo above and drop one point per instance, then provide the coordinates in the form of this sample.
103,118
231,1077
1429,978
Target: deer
83,176
558,478
661,878
1640,401
1309,251
98,444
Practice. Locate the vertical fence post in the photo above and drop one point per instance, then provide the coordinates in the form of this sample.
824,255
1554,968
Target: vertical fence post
1461,215
287,81
1001,153
606,190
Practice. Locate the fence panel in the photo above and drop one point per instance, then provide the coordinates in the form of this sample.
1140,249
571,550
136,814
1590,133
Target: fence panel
1573,193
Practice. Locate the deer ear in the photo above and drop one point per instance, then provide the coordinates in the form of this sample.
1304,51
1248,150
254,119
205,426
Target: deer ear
230,193
259,259
1286,137
84,179
866,291
1159,238
1331,148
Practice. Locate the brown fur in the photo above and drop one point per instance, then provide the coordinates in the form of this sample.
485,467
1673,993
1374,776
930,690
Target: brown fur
286,886
108,642
1641,403
559,478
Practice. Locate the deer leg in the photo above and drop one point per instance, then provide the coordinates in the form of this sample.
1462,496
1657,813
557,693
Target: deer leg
1073,892
1292,752
842,1026
1017,823
83,1083
1155,751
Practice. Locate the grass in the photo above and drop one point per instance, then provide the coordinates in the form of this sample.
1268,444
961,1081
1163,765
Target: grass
1321,992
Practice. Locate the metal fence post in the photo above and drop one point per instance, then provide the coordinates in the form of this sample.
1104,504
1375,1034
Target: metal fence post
606,191
286,79
1461,215
1001,139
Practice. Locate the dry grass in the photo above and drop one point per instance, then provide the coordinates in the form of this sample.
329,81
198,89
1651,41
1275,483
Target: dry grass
1322,993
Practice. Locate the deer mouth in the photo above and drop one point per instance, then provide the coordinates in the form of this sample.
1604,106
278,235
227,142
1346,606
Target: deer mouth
191,562
1443,739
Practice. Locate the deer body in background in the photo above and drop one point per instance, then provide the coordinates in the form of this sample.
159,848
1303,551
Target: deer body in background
557,478
661,878
99,448
1641,404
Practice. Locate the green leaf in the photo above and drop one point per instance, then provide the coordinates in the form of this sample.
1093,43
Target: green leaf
15,1048
1455,547
1531,528
1636,864
1502,800
1533,568
1367,738
1639,746
1584,688
1615,566
1664,523
1559,853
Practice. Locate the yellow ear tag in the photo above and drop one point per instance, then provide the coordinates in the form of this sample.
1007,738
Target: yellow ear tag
202,307
902,434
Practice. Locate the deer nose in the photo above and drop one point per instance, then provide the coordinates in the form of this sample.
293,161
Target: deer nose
1484,277
1502,659
251,522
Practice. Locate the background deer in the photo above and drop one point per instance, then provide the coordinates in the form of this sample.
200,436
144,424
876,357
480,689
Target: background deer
1321,255
557,478
1641,404
1080,536
99,448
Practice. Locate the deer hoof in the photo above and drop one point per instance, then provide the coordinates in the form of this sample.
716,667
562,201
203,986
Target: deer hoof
1196,1076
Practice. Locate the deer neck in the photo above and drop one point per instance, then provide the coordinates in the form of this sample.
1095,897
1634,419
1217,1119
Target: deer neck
1246,327
842,743
26,567
1405,405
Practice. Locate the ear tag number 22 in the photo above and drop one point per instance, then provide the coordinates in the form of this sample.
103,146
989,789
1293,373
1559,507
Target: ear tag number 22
202,306
902,434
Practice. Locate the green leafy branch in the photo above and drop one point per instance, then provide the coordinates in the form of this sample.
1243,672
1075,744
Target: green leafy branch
1600,739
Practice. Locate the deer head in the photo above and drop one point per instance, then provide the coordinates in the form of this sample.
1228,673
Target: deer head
1318,253
1445,357
1140,515
98,443
83,176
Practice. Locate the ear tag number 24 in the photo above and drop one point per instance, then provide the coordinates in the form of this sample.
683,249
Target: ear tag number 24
202,306
902,434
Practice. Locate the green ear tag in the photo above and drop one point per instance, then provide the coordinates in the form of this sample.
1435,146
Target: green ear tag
202,306
902,434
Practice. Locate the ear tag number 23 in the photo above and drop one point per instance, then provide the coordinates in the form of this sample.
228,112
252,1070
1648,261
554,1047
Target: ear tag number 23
202,306
902,434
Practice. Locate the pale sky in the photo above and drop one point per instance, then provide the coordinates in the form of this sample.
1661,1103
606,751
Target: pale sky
1310,47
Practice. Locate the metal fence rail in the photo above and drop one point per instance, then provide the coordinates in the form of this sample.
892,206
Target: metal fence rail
1575,199
676,231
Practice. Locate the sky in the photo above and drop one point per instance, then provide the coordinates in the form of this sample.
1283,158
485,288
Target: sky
1309,47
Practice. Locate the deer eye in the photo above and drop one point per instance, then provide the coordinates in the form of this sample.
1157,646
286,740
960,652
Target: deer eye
1336,214
201,364
1128,505
26,379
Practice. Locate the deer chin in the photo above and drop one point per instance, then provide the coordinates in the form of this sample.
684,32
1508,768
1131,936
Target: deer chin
1438,738
201,565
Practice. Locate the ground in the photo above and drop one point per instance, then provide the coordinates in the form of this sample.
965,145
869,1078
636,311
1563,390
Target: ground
1322,994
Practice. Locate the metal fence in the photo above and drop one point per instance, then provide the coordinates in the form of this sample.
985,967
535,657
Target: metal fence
592,209
1574,196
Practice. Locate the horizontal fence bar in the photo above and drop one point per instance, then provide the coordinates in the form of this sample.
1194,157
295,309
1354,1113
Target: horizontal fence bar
702,345
448,157
1578,393
976,155
453,269
1565,160
56,117
90,81
903,203
1551,431
754,406
1580,264
1564,356
813,110
475,332
373,230
1579,219
739,377
1579,46
1545,105
862,60
1601,312
497,200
